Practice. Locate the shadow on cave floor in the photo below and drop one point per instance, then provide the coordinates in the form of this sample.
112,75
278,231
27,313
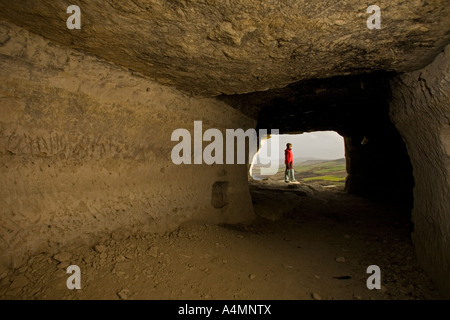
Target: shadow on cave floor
341,235
306,243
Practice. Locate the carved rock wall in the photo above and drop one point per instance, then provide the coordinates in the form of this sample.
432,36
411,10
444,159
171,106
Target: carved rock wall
420,109
85,149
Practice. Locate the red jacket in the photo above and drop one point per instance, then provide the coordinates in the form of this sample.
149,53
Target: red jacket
288,156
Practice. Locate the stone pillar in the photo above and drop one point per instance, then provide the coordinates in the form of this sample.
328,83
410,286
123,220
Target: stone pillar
420,108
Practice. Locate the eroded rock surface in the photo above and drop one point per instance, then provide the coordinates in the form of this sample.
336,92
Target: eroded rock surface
212,47
420,109
85,149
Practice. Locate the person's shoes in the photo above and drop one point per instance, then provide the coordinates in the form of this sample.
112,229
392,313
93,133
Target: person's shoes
287,181
294,180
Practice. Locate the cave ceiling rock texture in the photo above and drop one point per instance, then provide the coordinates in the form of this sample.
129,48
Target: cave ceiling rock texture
212,47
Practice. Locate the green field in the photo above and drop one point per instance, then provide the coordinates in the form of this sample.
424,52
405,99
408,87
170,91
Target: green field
324,172
328,172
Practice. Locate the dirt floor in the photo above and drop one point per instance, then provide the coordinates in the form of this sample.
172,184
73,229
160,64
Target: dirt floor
309,242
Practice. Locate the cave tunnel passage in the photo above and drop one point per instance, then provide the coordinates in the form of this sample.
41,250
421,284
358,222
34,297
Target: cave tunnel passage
319,157
356,107
373,206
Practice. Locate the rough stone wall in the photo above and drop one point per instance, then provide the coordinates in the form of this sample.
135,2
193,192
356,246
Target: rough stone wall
85,149
420,109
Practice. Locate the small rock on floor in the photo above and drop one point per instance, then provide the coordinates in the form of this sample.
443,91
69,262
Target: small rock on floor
100,248
62,257
316,296
63,265
19,282
123,294
153,252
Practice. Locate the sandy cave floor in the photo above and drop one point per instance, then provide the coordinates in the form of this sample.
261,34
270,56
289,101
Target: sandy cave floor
308,242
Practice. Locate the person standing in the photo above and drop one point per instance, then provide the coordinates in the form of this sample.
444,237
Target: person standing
289,161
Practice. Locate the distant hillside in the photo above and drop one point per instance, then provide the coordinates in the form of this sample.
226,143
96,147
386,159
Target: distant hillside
304,159
317,161
308,160
321,171
325,172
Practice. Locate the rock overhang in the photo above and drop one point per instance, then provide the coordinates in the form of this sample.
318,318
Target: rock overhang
210,47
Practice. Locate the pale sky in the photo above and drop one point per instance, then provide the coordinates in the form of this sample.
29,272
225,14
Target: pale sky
327,145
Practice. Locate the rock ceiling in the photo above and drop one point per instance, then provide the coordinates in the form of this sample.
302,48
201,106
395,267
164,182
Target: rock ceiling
212,47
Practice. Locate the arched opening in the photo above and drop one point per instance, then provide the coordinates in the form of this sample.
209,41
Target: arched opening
370,211
357,108
318,158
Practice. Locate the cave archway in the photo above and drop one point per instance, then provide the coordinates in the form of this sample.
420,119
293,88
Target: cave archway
396,136
318,157
357,108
